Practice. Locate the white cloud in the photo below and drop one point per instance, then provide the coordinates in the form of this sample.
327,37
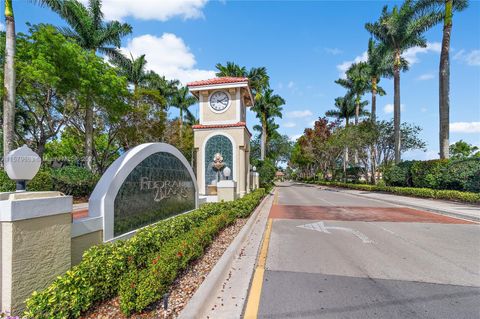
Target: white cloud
424,109
152,9
420,155
168,55
333,51
425,77
290,84
343,67
465,127
299,114
295,137
388,108
411,54
289,124
2,27
471,58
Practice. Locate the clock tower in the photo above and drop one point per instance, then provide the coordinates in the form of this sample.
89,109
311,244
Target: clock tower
222,139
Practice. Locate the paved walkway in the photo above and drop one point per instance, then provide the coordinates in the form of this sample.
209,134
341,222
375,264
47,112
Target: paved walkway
334,254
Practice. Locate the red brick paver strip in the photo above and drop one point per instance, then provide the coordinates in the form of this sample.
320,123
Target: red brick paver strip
367,214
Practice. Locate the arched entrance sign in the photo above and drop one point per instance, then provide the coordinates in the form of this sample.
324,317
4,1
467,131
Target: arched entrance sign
148,183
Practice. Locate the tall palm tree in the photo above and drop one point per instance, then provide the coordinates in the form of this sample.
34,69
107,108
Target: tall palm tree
131,68
268,106
183,100
345,109
378,66
89,29
401,29
444,10
231,69
357,82
9,81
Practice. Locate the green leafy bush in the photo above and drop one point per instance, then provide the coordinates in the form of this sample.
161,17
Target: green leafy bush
75,181
462,175
266,170
428,174
104,268
399,175
41,182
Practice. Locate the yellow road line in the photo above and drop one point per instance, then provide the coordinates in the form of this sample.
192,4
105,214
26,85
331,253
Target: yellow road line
253,300
275,198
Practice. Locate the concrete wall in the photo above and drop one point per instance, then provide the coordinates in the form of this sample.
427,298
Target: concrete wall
35,251
81,243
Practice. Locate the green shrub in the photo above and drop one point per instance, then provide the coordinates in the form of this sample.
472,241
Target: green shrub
75,181
41,182
6,184
428,174
399,175
462,175
266,170
104,268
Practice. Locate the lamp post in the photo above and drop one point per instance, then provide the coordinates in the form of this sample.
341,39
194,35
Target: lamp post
226,172
21,165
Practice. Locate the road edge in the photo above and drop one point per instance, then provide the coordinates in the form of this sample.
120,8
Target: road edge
202,297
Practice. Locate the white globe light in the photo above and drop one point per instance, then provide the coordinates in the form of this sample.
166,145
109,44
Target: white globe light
22,164
254,168
227,171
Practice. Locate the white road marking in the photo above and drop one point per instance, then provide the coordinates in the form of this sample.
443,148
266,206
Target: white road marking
321,227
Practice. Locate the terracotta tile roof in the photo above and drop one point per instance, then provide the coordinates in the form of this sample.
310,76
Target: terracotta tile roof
219,80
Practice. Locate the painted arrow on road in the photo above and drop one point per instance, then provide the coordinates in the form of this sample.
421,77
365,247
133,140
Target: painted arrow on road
321,227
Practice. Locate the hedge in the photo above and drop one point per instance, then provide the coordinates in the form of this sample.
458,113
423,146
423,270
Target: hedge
461,175
107,269
468,197
70,180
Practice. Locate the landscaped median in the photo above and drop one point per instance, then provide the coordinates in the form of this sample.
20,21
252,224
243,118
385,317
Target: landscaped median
467,197
141,269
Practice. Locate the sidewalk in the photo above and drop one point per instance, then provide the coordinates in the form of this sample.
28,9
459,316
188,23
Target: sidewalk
455,209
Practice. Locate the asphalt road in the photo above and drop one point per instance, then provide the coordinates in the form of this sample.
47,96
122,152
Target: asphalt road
336,255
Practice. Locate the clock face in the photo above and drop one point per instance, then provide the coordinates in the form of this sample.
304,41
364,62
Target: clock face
219,101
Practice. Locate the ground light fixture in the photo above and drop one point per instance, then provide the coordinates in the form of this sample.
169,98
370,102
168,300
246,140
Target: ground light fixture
254,168
21,165
226,172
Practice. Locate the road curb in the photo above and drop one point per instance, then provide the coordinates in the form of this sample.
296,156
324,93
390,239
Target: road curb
398,202
201,299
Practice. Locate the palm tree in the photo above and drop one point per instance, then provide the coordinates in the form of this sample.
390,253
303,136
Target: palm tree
398,30
131,68
183,100
378,66
231,69
9,81
357,82
258,77
444,10
345,109
90,31
268,106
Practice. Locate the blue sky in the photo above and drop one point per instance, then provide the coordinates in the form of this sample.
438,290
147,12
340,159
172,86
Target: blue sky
305,46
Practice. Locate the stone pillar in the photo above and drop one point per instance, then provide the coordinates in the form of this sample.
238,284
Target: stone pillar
227,190
241,172
35,230
247,167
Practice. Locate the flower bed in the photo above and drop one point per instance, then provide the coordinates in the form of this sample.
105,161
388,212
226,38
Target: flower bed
467,197
138,269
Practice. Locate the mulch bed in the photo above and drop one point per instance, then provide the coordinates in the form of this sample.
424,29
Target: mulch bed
184,286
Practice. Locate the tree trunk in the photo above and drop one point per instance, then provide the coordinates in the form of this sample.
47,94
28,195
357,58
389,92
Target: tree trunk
444,84
9,81
264,140
357,109
396,106
373,116
181,124
89,137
